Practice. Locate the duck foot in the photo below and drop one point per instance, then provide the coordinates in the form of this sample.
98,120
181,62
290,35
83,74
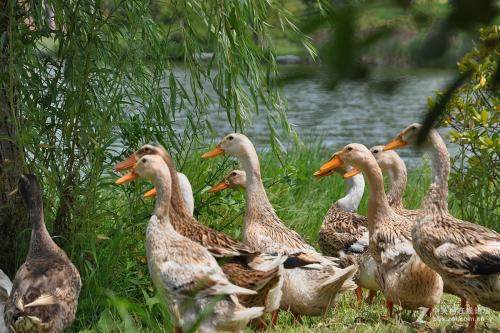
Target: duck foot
370,297
472,319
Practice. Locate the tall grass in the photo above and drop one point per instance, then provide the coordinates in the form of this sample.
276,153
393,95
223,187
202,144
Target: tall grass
118,295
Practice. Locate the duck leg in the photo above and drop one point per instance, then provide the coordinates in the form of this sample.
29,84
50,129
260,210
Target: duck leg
390,307
463,304
359,295
274,318
429,312
472,319
177,330
371,296
297,318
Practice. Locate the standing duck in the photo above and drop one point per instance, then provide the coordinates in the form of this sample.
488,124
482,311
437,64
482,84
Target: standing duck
306,291
403,278
389,161
44,296
344,233
184,271
465,254
243,265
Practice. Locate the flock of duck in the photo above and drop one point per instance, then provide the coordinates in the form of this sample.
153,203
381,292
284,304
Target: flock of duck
212,282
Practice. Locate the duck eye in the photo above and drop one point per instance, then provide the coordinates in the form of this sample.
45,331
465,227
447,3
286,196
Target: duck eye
349,148
233,174
375,151
230,137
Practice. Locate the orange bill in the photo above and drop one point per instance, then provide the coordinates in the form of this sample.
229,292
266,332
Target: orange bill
127,178
327,168
214,152
318,174
219,187
150,194
127,164
396,143
353,172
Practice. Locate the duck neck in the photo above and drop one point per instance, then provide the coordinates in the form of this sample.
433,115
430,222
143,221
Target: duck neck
398,179
355,187
178,208
163,187
41,244
256,197
378,205
437,196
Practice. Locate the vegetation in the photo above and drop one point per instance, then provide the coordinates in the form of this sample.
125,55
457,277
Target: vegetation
474,116
82,83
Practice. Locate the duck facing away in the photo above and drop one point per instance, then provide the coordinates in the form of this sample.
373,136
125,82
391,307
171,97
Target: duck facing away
45,290
344,233
306,291
183,270
404,279
465,254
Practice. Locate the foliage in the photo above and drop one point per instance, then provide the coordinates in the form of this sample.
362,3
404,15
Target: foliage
85,78
473,113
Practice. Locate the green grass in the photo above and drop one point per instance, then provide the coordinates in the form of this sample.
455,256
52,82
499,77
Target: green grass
118,295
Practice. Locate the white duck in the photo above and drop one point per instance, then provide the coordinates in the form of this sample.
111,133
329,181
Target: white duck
185,271
305,291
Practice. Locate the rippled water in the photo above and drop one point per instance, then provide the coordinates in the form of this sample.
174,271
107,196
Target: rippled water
352,112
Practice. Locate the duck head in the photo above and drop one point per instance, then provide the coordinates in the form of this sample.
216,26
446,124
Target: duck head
406,137
235,179
354,154
234,144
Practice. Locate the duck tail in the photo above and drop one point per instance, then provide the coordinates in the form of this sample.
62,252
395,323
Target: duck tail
341,280
231,289
247,314
267,262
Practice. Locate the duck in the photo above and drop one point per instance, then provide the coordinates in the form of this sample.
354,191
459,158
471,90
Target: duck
344,233
184,271
243,265
390,162
5,288
465,254
403,278
45,291
186,190
306,291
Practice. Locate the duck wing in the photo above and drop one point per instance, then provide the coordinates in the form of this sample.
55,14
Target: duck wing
45,288
468,249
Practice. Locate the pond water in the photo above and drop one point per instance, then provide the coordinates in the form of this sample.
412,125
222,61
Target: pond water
353,111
